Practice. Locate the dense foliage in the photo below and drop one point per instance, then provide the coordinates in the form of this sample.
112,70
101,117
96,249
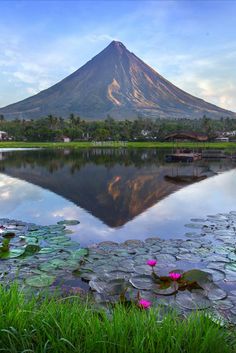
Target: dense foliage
53,128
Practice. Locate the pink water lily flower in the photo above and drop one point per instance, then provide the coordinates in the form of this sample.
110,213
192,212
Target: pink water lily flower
151,263
175,276
144,304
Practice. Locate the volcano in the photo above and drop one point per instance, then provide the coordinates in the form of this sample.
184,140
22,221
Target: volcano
118,83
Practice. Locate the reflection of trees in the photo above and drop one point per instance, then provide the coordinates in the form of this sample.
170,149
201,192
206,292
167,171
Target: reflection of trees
74,160
53,160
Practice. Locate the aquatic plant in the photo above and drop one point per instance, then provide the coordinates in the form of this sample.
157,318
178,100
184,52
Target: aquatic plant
175,276
152,263
144,304
38,256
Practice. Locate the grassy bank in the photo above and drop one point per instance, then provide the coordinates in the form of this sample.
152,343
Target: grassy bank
213,145
66,325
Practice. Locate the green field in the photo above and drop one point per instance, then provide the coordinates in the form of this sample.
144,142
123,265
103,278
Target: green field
213,145
72,325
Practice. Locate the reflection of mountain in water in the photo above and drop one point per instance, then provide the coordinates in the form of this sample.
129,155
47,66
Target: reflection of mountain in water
114,186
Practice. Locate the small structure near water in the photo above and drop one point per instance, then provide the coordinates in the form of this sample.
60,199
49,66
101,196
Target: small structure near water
222,139
186,136
3,136
183,157
213,154
184,179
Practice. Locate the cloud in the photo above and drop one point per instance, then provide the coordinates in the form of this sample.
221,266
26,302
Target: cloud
36,70
207,75
173,37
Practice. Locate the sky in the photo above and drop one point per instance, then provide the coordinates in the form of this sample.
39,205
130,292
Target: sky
190,43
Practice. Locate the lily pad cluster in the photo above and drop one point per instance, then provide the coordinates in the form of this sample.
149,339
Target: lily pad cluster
38,256
210,255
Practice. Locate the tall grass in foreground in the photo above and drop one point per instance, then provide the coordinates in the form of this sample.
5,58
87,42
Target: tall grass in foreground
71,325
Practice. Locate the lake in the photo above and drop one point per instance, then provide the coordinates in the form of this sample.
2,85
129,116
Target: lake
116,194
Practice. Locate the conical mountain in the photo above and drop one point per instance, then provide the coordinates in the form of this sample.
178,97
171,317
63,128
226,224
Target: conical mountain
118,83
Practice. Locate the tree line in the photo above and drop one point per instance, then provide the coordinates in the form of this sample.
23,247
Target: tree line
52,128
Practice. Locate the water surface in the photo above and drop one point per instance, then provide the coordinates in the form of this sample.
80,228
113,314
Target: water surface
116,194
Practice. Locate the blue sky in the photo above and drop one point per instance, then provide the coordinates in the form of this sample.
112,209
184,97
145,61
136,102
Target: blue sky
191,43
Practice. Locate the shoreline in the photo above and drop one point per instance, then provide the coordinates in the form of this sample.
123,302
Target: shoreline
118,144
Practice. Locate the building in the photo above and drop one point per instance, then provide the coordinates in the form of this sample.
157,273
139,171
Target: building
66,139
186,136
222,139
3,136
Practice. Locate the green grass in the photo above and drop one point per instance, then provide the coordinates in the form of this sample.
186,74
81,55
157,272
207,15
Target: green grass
67,325
220,145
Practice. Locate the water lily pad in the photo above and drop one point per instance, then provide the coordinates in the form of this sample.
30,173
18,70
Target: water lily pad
98,286
133,243
189,257
31,240
78,254
218,258
218,265
142,282
46,251
215,293
168,290
217,275
30,250
231,266
59,239
167,258
224,304
194,225
198,276
116,287
192,235
69,222
40,280
12,253
53,265
193,301
230,276
143,269
232,256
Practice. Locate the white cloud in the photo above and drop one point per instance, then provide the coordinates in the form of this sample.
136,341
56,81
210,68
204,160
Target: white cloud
206,72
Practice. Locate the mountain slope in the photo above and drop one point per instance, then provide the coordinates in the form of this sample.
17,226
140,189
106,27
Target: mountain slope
118,83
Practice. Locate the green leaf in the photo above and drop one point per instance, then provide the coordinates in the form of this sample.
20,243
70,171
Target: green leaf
30,250
40,280
166,288
78,254
12,253
69,222
46,250
197,276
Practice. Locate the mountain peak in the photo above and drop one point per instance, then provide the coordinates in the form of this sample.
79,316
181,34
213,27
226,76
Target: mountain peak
117,44
118,83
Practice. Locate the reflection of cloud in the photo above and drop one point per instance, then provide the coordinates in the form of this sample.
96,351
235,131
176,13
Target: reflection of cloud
31,203
14,193
211,196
